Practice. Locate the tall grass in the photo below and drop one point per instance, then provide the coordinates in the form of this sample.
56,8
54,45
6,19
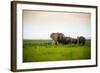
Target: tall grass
46,50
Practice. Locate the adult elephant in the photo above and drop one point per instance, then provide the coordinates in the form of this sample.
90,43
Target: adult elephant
67,40
74,41
70,40
57,37
81,40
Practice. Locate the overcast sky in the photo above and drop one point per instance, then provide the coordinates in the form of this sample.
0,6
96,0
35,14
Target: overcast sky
40,24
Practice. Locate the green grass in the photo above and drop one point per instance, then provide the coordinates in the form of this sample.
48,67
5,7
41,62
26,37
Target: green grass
46,50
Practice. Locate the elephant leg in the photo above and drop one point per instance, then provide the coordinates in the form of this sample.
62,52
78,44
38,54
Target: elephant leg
56,43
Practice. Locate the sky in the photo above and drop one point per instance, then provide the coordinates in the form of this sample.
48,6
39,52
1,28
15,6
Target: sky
40,24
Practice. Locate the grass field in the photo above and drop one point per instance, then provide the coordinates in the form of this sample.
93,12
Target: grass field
45,50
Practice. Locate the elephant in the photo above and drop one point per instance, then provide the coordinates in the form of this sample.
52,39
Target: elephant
67,40
70,40
74,41
57,37
81,40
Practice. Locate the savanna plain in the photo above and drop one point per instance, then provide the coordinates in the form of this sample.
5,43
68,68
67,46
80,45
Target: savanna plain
46,50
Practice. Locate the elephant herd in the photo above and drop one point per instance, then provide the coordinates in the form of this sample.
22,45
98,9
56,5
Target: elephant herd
60,38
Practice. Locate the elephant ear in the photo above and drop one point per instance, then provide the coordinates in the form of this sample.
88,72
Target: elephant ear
52,35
